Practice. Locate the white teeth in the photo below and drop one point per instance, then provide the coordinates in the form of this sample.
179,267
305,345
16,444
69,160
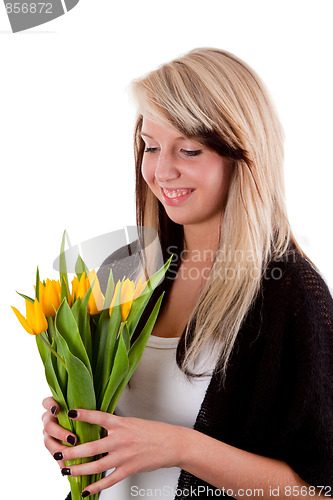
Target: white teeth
175,193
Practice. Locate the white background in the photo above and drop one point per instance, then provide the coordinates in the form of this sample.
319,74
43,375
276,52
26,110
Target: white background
66,125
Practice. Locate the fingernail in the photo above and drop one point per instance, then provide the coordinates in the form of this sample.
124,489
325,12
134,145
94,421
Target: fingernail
53,410
85,493
58,456
71,440
66,471
72,413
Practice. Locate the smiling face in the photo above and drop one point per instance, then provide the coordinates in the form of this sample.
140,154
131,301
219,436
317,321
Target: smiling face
189,179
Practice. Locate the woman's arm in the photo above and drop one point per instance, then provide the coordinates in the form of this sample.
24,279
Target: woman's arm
244,474
136,445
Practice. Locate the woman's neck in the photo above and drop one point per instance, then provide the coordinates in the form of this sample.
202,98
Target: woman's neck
201,241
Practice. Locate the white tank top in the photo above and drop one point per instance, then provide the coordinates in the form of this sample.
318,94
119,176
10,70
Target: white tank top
160,391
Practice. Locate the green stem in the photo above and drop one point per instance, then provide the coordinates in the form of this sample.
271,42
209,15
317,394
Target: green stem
52,350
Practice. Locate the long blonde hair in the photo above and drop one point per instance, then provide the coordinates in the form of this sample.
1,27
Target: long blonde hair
213,96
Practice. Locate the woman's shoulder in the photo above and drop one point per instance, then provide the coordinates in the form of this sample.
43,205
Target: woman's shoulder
298,278
297,299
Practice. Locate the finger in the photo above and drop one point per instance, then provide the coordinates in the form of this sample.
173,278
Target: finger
55,430
113,478
94,417
52,446
89,449
51,405
94,467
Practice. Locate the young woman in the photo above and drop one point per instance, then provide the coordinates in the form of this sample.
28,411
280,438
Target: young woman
234,393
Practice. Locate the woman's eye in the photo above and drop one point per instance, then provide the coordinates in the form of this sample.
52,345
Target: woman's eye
189,152
151,150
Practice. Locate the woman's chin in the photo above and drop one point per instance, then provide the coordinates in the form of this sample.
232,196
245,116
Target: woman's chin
182,219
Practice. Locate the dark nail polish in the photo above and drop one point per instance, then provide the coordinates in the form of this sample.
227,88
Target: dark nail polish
71,440
66,471
85,494
58,456
72,413
53,410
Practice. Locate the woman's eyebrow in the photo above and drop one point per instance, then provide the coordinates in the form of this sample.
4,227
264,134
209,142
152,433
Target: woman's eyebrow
144,134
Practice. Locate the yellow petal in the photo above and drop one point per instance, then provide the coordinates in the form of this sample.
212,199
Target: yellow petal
57,286
82,288
41,292
40,320
36,317
30,314
139,288
51,298
127,292
96,298
75,287
125,309
23,321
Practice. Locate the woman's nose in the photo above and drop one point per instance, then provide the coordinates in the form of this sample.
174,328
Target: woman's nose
166,168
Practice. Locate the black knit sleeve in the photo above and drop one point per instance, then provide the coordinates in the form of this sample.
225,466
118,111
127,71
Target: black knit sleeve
309,420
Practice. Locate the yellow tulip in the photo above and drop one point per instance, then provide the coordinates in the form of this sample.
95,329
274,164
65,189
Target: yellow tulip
79,287
75,286
49,297
96,299
128,293
35,321
139,288
126,297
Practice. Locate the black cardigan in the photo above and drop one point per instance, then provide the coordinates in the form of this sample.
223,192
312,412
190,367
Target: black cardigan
277,400
278,397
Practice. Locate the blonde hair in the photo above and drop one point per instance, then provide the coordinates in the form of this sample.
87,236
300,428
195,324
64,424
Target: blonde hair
215,97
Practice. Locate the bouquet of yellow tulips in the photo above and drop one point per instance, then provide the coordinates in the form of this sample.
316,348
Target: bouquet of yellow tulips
84,340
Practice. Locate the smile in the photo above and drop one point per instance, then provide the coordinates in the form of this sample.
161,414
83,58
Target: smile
176,196
174,193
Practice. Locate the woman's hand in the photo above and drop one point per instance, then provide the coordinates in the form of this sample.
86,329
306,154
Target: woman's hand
54,434
132,445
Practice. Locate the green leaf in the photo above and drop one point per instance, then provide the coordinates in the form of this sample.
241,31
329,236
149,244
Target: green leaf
37,284
80,392
136,352
119,371
76,310
109,291
84,322
126,335
106,353
67,327
99,341
63,269
60,369
25,297
80,267
42,349
57,393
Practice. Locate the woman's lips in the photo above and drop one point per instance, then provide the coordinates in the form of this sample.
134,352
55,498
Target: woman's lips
177,199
